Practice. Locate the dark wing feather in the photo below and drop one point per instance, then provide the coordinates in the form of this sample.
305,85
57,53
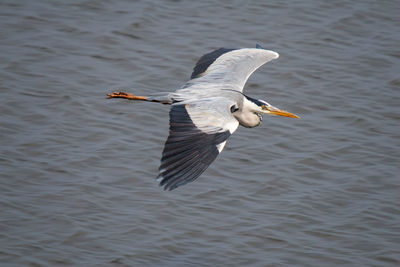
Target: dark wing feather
188,151
206,60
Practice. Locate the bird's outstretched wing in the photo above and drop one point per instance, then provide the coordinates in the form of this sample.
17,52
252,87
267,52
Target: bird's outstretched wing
198,133
230,66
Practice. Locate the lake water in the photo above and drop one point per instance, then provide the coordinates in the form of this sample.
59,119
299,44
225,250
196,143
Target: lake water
77,170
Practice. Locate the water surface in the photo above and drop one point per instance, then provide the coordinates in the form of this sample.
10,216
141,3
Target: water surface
77,170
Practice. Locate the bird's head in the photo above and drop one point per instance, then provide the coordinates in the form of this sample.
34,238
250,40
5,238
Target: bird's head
264,107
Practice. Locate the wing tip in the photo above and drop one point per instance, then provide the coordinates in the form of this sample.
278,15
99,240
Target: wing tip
274,54
168,185
162,183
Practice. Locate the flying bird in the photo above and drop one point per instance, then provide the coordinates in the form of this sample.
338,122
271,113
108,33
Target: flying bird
207,110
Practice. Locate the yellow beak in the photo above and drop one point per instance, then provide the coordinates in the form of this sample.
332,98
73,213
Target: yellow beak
279,112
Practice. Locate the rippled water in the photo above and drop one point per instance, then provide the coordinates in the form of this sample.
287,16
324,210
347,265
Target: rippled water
77,170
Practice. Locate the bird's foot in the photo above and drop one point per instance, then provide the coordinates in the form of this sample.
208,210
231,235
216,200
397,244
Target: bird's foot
126,96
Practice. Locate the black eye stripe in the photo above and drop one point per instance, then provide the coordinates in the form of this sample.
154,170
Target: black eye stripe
255,101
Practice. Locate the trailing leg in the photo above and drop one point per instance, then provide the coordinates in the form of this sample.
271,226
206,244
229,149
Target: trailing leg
163,98
126,96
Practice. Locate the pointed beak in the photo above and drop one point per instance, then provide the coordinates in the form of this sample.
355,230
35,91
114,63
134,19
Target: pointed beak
279,112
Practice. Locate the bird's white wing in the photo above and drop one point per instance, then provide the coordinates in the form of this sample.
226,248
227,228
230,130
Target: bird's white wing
198,133
231,67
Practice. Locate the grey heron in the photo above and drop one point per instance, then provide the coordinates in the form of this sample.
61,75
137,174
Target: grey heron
207,110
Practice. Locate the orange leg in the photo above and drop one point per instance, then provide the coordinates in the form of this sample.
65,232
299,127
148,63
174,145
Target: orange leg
126,95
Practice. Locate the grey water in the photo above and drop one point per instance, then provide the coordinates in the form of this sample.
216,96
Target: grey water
77,170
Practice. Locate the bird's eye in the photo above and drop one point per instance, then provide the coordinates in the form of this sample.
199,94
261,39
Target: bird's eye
234,108
264,107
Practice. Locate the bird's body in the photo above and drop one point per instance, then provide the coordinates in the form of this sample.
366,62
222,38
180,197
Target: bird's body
207,110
